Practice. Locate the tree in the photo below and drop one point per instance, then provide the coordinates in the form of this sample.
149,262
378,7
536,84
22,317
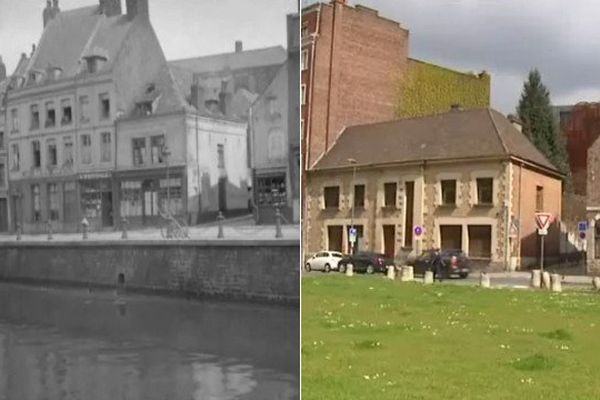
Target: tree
539,124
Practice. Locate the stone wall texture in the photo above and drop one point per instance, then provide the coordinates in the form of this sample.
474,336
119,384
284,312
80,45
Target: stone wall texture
264,271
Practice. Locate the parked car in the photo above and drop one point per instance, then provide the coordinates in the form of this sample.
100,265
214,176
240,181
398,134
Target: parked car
455,263
365,261
323,261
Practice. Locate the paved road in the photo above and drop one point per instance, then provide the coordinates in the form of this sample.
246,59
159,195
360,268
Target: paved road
518,280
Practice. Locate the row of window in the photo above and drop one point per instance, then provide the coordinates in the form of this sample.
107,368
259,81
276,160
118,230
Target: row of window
67,153
52,198
64,113
485,194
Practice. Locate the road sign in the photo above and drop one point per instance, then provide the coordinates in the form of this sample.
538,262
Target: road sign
418,229
582,226
352,235
514,228
543,220
542,232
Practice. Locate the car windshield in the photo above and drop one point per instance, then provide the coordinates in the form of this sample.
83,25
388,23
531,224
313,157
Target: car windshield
336,254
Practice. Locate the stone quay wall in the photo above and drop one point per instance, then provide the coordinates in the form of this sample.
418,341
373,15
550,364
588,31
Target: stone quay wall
265,270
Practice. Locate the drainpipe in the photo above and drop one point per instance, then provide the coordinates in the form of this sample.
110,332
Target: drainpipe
330,76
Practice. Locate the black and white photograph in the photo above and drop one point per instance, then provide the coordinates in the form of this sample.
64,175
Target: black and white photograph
150,199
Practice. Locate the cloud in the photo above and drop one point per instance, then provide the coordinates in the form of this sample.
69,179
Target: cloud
507,38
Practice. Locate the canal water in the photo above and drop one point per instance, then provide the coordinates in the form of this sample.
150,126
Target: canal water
73,344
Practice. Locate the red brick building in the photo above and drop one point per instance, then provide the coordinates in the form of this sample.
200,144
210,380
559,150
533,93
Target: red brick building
350,57
580,126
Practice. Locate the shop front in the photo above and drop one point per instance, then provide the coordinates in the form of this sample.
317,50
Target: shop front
96,198
145,197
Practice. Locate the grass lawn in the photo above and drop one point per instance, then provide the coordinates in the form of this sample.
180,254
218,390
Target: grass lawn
369,338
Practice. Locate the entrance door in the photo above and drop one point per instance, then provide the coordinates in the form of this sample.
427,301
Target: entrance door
389,240
3,215
223,194
107,209
335,237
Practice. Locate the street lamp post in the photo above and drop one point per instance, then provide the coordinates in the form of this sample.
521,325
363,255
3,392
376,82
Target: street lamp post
352,161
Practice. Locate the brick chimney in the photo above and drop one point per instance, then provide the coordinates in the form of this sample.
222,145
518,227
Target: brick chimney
239,46
138,8
516,122
50,11
110,8
197,96
2,70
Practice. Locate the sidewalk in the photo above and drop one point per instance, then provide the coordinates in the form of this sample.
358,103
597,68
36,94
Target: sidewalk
230,232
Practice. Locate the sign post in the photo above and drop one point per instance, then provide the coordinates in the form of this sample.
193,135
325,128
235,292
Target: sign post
352,238
418,231
542,221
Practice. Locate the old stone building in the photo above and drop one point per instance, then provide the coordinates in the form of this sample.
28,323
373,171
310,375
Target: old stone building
274,139
4,213
356,69
96,121
470,179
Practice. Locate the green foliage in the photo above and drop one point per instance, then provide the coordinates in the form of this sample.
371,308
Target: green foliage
558,334
539,124
430,89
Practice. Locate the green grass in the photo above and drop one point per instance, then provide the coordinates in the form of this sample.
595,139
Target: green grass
370,338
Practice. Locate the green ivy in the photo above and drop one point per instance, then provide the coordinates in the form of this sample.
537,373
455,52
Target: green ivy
430,89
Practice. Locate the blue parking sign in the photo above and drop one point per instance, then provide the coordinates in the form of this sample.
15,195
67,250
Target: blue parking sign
352,235
583,226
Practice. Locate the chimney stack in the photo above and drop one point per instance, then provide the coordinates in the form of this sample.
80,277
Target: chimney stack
516,122
110,8
138,8
50,11
2,70
239,47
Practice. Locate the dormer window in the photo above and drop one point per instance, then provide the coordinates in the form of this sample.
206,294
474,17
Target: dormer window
54,73
95,60
36,77
144,108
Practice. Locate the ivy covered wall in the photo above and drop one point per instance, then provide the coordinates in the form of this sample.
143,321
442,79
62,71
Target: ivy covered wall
430,89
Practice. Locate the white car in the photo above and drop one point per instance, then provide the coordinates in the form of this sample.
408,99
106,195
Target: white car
323,261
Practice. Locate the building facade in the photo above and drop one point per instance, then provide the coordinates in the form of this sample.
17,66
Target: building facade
356,69
4,212
274,141
478,200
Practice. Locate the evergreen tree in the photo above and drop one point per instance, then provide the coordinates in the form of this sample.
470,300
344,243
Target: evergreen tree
535,112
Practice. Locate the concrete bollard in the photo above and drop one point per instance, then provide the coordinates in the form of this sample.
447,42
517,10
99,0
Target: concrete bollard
536,279
407,274
84,228
391,272
349,270
556,283
19,231
124,223
49,229
596,283
428,278
546,282
220,219
278,233
484,280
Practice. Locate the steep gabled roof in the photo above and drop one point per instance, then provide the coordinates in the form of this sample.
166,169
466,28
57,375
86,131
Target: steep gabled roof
74,34
456,134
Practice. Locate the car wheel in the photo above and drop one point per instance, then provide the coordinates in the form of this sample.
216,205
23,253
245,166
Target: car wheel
370,269
327,268
464,275
342,267
307,267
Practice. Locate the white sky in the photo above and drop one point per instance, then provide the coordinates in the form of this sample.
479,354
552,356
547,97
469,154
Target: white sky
185,28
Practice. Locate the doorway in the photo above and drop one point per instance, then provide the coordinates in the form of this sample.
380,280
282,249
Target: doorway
107,209
334,238
389,240
3,215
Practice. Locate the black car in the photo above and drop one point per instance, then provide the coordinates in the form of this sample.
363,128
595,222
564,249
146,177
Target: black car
365,261
455,263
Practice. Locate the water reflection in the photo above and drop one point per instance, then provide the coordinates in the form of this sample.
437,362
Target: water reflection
67,344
